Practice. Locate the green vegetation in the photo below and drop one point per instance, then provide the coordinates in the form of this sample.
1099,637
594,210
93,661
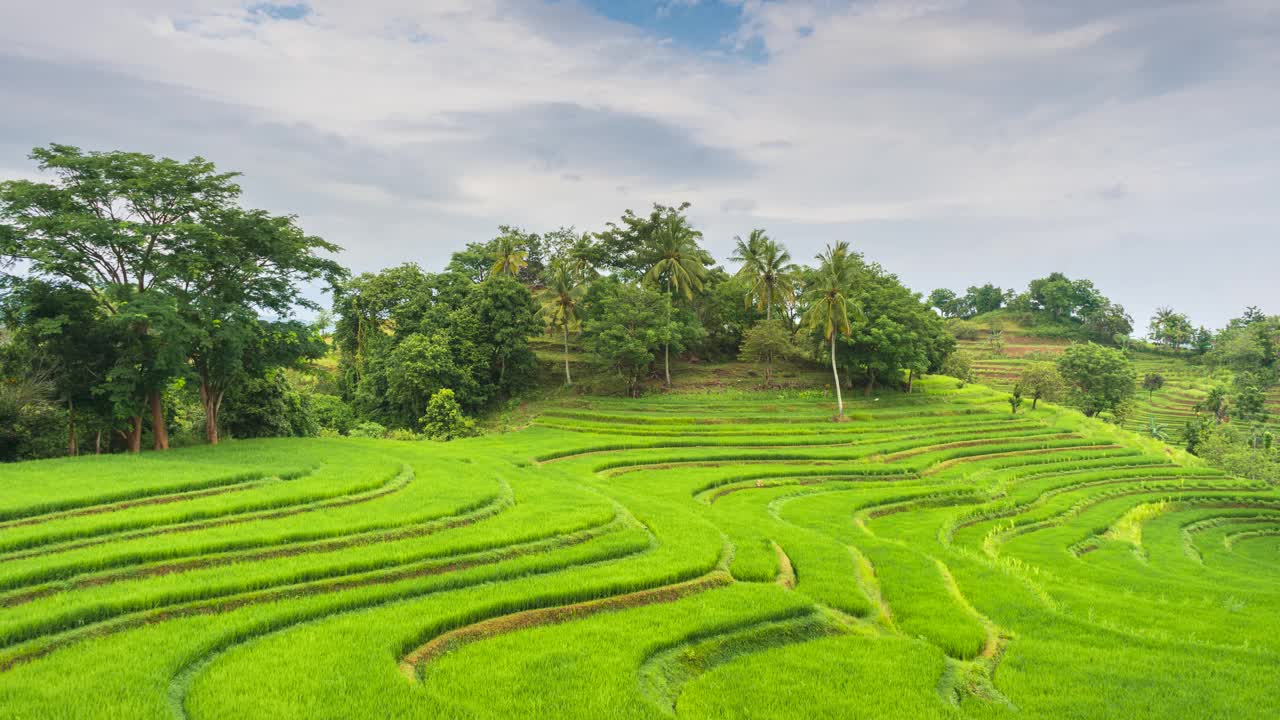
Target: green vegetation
936,556
564,547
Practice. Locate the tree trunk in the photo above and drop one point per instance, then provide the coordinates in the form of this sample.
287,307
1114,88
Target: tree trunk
871,383
768,309
158,430
911,380
134,436
836,375
72,448
666,361
1034,399
97,444
568,380
211,399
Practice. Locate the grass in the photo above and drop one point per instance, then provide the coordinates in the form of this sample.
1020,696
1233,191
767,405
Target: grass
720,555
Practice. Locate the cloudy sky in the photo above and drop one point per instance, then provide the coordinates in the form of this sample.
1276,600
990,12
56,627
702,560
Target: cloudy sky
1134,142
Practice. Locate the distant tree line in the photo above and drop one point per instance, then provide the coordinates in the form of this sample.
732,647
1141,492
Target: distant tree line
1075,308
140,298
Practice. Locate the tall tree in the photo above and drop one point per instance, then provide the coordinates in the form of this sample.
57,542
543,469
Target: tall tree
678,268
766,268
560,301
114,224
624,328
831,303
1099,378
249,263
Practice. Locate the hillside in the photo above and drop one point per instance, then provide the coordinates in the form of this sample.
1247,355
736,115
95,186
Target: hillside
1186,383
700,555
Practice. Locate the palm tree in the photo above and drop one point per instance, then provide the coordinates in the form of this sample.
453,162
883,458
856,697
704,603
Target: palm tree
582,258
508,256
1157,430
830,304
765,266
1216,404
560,301
680,267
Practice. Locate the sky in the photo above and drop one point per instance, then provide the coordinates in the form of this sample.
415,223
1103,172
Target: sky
1132,142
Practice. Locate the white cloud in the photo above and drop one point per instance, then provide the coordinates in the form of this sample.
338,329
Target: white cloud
955,141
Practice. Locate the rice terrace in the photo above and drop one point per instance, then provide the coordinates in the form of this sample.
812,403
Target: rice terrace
685,555
639,360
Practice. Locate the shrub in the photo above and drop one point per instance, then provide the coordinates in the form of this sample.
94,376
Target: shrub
332,413
965,329
959,365
444,419
368,429
402,434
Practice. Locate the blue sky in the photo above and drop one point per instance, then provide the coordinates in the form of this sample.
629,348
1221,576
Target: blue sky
957,142
701,25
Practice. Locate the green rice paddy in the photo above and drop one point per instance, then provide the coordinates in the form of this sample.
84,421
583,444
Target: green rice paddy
725,555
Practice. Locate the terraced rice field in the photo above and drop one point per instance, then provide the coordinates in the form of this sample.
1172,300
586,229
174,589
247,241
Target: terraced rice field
1170,407
703,556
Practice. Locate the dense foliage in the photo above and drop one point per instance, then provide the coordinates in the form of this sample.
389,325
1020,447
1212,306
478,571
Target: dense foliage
144,274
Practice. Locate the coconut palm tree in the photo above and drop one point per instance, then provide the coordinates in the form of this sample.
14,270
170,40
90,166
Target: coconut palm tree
560,300
582,258
680,266
765,265
830,302
509,257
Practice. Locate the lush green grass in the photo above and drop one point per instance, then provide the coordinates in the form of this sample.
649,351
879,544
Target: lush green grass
722,555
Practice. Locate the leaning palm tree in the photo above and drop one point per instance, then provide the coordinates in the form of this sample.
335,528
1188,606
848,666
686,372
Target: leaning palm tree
765,265
830,303
679,268
560,300
509,258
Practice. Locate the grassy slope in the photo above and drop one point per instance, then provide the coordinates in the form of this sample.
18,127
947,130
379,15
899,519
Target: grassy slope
716,554
1171,407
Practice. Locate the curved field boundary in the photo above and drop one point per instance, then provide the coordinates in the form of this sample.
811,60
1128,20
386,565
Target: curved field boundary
309,547
223,605
393,485
412,662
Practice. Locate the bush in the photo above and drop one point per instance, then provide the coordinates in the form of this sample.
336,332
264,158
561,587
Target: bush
959,365
401,434
965,329
444,419
31,426
267,406
332,413
368,429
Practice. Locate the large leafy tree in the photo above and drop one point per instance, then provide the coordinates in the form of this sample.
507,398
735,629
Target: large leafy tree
250,263
505,316
831,303
628,247
560,301
897,332
66,343
116,224
626,326
765,343
767,271
1098,378
679,267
